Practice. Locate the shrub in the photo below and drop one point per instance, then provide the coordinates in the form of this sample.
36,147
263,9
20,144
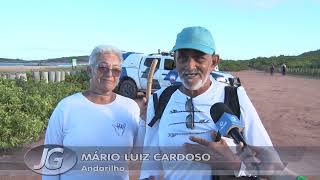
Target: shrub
25,107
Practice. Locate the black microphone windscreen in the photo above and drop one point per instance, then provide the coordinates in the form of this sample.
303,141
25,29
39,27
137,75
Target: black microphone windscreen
218,109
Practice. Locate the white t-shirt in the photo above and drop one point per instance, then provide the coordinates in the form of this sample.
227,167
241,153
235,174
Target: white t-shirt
76,121
171,130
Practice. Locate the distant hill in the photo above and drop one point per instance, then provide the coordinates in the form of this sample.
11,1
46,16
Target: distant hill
80,59
309,59
311,53
11,60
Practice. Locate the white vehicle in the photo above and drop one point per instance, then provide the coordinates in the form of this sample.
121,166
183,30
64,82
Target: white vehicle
135,70
226,77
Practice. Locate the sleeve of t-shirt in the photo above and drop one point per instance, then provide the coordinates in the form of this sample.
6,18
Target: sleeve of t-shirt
138,134
54,134
151,145
254,131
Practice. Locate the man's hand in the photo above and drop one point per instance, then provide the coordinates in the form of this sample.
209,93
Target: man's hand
221,157
264,161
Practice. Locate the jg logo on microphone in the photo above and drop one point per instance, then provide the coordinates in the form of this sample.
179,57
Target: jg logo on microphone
50,159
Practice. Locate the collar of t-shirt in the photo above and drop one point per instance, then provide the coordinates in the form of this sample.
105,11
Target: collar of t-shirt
211,92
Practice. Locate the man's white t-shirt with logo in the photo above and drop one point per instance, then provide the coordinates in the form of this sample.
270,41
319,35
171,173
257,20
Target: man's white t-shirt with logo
76,121
171,131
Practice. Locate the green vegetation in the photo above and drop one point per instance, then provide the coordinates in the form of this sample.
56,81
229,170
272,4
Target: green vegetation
304,64
230,65
290,61
26,106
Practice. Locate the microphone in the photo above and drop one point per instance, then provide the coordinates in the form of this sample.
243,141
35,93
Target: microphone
227,123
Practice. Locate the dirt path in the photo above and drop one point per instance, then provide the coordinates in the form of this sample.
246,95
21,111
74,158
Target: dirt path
288,106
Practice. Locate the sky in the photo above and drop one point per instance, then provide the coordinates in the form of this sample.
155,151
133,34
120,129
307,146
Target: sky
242,29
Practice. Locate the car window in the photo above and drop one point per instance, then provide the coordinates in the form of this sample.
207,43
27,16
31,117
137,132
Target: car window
215,76
148,62
169,64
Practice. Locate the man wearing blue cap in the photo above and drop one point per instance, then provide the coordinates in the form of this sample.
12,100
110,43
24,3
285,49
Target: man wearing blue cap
188,112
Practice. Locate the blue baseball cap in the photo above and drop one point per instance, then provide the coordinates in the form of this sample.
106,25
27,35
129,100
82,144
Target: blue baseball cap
198,38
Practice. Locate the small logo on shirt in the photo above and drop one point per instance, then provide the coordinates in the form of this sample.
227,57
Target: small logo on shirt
119,128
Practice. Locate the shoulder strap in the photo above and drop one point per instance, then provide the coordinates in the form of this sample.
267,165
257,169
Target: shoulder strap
160,105
231,99
155,100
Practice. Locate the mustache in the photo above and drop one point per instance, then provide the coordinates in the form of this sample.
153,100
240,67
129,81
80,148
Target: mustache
190,72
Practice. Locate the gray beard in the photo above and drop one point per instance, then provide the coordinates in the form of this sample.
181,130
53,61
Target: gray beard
197,86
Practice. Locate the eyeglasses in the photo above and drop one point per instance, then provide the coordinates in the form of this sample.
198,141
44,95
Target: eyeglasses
190,118
115,70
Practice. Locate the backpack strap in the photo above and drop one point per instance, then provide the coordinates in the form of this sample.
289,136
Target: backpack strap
160,105
155,100
231,99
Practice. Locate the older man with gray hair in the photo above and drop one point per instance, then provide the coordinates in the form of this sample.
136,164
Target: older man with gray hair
97,117
187,115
